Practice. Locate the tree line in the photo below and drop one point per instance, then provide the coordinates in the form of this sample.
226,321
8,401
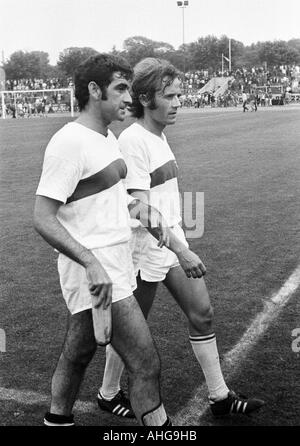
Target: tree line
203,54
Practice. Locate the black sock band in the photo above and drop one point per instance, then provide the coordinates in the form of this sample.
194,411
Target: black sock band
55,419
155,417
168,422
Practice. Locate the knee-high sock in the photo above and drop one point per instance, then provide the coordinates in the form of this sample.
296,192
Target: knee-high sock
112,374
206,352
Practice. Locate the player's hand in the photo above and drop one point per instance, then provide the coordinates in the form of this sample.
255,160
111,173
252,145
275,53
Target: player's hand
158,227
191,264
163,232
100,285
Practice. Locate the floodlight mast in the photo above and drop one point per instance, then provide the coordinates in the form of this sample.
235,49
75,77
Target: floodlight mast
183,5
228,59
229,54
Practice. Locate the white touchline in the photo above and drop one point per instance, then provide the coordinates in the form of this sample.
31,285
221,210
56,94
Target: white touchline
196,406
29,398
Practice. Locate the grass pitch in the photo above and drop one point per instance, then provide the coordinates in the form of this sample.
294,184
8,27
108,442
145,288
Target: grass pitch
248,166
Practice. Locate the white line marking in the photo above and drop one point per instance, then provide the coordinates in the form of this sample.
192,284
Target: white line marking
197,405
29,398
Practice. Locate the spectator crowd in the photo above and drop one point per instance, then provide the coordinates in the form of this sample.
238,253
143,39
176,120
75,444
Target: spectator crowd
272,86
37,84
244,79
256,82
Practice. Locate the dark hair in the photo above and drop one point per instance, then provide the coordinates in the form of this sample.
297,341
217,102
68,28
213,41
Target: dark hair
100,69
147,80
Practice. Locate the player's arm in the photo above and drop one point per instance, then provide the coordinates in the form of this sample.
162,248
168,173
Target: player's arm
189,261
150,217
49,227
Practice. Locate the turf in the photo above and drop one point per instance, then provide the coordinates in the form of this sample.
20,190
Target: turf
248,166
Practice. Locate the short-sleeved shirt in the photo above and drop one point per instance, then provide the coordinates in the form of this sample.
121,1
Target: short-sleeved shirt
85,170
151,166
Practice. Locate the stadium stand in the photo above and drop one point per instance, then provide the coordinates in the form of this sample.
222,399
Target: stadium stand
275,85
217,86
37,84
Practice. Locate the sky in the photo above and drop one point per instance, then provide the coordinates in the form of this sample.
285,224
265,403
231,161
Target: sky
53,25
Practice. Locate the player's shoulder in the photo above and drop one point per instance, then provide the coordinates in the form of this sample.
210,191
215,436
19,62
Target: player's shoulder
131,132
69,132
66,141
132,139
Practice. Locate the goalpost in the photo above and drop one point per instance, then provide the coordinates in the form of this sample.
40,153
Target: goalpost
37,102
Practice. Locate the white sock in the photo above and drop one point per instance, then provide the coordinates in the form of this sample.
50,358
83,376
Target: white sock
206,352
156,417
112,374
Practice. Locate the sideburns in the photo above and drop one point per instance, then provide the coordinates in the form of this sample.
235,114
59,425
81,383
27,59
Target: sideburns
152,104
104,93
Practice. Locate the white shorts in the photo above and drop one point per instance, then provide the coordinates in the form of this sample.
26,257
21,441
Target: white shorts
117,262
153,262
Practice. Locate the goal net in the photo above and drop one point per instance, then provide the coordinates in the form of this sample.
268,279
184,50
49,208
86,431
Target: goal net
27,103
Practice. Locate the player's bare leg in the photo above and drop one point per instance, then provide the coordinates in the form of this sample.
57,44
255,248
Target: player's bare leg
193,298
132,340
78,350
110,396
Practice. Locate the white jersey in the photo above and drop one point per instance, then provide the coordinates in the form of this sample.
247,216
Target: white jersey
84,170
151,165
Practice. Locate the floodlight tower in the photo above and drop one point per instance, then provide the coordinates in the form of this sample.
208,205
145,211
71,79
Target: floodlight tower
228,59
183,5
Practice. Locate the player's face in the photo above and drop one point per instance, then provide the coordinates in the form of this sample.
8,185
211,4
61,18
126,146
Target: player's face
167,103
118,98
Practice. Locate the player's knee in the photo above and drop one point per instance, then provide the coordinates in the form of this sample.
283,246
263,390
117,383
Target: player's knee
146,365
151,367
82,355
86,355
202,320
